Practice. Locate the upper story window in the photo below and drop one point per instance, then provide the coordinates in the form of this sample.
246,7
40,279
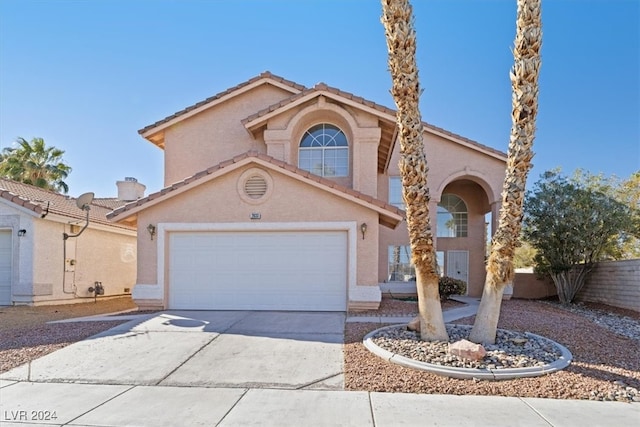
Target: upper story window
395,192
452,217
324,151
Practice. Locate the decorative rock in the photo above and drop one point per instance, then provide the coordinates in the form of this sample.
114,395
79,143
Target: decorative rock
503,354
467,350
414,325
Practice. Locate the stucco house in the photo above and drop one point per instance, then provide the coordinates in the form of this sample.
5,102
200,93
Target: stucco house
283,197
38,265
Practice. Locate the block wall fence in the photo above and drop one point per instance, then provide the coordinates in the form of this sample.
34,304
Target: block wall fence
615,283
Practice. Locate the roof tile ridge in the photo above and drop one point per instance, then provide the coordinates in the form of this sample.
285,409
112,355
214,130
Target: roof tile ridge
20,201
356,98
273,107
261,76
36,188
269,74
463,138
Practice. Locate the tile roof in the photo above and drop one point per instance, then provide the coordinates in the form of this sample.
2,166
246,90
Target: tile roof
303,91
263,75
43,202
110,203
323,87
320,87
266,158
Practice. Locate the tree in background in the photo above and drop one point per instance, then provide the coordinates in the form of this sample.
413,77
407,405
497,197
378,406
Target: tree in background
524,255
524,84
628,193
574,223
400,34
32,162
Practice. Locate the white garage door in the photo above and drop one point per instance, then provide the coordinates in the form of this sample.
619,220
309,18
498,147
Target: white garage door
5,267
278,270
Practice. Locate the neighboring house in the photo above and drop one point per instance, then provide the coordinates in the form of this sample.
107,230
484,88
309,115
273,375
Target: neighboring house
39,266
284,197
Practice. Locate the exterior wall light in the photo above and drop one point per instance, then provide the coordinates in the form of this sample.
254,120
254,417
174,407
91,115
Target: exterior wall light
152,230
363,229
22,232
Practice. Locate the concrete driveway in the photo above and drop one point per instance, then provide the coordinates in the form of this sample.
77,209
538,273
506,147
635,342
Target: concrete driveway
237,349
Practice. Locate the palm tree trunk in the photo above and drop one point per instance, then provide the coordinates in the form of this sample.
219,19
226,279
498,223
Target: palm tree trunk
524,83
401,45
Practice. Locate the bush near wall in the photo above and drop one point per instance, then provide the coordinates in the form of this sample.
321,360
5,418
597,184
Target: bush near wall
449,286
615,283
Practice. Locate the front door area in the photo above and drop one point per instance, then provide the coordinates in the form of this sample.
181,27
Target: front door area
457,265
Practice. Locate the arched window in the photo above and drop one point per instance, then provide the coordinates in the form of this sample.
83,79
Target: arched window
452,217
324,151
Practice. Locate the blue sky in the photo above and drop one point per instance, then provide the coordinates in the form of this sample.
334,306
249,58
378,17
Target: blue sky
86,75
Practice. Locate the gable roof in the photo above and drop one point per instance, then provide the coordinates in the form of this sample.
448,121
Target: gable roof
154,133
300,94
43,202
390,216
387,115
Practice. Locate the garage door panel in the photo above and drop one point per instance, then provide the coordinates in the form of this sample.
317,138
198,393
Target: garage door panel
258,270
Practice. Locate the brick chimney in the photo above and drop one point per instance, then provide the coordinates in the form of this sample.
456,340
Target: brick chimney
130,189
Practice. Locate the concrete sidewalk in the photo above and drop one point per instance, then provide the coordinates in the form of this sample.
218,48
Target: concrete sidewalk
29,403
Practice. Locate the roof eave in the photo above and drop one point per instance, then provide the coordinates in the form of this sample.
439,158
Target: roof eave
388,217
155,133
260,121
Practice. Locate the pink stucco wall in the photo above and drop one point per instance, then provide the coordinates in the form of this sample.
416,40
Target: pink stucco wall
219,202
216,134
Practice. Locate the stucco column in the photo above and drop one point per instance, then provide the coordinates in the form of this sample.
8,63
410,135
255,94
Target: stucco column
365,160
278,144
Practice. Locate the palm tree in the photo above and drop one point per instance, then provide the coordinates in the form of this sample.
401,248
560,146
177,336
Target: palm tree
524,83
401,44
32,162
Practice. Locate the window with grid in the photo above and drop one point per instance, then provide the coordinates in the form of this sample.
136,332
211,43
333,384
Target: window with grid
400,267
324,151
452,217
395,192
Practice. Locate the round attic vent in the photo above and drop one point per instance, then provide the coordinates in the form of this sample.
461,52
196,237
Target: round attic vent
255,187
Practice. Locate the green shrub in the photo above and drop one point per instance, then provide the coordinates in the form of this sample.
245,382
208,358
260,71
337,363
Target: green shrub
449,286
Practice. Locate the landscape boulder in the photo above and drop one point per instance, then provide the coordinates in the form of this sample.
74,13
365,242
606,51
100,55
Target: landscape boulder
467,350
414,324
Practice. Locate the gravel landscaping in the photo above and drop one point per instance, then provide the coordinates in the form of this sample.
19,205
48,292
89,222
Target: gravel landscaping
605,363
511,349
